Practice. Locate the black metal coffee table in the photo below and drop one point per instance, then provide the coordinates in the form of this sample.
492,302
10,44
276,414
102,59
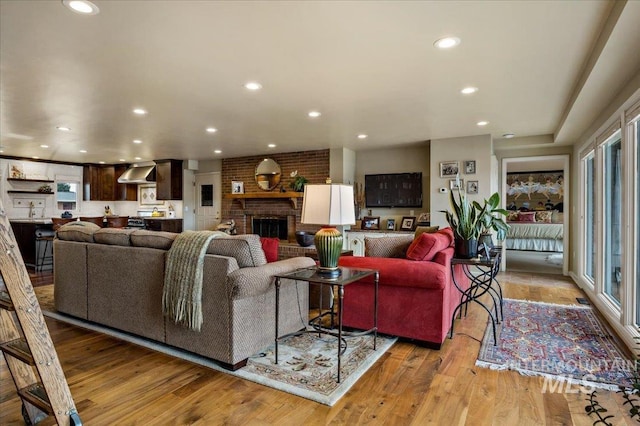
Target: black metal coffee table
348,276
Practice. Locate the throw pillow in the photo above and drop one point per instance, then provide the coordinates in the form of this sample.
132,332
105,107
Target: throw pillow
421,229
512,217
544,217
387,246
448,232
426,246
527,217
270,247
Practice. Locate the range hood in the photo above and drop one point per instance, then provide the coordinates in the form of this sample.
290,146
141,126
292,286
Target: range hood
139,173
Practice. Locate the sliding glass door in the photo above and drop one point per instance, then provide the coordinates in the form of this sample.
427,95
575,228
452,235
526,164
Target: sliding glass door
589,224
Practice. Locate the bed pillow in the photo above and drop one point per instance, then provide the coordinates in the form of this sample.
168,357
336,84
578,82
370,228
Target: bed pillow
544,217
527,217
512,217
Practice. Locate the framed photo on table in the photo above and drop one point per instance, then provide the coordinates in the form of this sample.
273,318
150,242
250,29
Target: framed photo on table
391,224
408,223
370,222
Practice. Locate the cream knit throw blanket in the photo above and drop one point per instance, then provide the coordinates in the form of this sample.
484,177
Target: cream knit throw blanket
182,293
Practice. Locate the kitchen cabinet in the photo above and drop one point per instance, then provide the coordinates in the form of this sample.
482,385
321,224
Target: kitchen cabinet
25,232
167,225
101,184
355,239
169,179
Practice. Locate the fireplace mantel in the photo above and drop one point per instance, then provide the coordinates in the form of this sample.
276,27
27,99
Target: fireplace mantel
242,198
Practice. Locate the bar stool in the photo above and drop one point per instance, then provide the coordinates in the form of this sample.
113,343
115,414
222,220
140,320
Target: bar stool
98,220
44,256
117,221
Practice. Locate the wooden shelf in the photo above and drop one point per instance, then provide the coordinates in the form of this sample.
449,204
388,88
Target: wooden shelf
290,195
29,192
30,180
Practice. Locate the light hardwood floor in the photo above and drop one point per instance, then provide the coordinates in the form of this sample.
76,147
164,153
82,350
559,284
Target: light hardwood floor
117,383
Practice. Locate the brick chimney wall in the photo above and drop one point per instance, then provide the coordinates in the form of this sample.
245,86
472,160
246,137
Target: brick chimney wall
313,165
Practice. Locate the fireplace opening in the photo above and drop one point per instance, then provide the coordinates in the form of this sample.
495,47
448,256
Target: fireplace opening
270,227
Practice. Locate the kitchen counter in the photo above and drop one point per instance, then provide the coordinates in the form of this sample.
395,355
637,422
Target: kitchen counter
163,224
34,220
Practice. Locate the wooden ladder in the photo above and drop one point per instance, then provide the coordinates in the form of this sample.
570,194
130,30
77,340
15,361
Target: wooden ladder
25,340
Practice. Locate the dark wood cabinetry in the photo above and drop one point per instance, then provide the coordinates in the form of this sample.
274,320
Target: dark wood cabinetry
167,225
101,184
169,179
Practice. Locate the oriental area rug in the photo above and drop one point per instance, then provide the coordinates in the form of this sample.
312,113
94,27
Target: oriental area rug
566,343
307,363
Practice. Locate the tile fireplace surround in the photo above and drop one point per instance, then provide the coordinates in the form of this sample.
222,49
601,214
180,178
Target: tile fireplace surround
314,165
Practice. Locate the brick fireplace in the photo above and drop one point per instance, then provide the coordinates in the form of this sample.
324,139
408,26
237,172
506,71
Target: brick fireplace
262,214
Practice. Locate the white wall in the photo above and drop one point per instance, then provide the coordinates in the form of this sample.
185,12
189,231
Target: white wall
478,148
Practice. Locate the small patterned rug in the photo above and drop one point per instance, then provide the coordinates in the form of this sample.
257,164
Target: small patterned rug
562,342
307,364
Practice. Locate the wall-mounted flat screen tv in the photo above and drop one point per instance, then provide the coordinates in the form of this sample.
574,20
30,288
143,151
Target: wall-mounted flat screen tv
393,190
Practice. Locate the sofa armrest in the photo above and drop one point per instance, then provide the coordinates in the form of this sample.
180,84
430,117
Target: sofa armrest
246,282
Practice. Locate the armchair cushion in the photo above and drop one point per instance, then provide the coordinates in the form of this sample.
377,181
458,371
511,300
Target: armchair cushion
387,247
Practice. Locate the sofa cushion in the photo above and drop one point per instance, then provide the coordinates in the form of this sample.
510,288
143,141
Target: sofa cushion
153,239
246,249
270,248
387,246
448,232
427,245
113,236
77,231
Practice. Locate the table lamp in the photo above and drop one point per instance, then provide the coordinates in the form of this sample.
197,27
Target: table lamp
328,205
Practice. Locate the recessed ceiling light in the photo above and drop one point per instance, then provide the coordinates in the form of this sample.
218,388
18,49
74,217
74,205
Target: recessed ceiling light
122,160
447,42
137,141
253,85
44,146
508,135
101,162
139,111
82,6
63,129
217,151
362,136
138,158
482,123
211,130
84,151
272,145
469,90
314,114
35,157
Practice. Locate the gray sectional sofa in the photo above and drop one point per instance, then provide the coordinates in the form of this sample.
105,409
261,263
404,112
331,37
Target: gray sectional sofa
115,277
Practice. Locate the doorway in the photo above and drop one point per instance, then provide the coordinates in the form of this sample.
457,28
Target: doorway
208,198
543,251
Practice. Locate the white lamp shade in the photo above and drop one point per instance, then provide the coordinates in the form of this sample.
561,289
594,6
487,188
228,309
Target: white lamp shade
330,204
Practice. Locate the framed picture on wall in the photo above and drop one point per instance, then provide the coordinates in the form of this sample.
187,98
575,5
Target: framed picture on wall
470,167
453,184
237,187
472,187
449,168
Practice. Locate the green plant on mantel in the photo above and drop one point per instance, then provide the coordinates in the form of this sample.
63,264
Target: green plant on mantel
297,184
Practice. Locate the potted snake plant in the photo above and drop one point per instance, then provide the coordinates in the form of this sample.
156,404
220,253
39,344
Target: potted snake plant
464,220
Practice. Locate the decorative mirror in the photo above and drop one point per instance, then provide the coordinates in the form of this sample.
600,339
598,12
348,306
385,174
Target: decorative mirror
268,174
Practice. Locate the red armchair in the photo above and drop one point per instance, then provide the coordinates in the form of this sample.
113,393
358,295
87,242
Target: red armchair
416,298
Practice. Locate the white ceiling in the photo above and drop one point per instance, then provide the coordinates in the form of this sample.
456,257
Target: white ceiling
543,68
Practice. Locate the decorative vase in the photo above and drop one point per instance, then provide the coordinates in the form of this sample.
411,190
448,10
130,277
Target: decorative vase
486,242
466,249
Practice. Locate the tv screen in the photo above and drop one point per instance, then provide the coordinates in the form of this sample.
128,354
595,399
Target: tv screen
393,190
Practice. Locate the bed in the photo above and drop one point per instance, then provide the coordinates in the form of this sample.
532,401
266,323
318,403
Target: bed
525,233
